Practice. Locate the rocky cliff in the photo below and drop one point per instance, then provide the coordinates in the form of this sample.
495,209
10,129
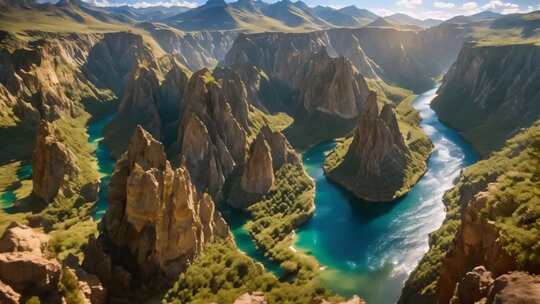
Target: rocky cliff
195,50
157,222
151,98
490,93
213,128
492,221
53,165
26,271
479,286
378,166
403,58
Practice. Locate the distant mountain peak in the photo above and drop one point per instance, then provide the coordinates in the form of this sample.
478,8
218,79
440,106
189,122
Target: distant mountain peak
213,3
381,22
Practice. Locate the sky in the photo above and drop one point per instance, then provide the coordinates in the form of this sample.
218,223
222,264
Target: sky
439,9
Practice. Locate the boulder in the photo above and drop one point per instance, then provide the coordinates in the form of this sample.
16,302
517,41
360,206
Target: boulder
23,265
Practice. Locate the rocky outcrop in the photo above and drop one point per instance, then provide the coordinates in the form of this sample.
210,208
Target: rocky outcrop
478,286
270,151
377,165
53,165
332,86
157,222
8,295
213,130
258,176
151,98
251,298
24,268
490,93
489,222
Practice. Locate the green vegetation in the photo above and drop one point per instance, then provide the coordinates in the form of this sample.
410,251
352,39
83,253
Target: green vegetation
69,287
222,273
288,205
513,205
387,93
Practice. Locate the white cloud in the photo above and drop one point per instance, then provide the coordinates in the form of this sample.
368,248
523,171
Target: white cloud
439,4
409,3
470,6
383,12
496,4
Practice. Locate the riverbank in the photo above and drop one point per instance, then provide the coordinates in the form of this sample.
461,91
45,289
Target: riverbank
370,248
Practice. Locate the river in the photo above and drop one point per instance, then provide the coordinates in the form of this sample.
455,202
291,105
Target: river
369,249
104,160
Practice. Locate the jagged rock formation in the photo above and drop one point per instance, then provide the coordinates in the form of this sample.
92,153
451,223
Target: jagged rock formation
490,93
269,152
378,166
478,286
490,222
213,129
331,85
157,222
258,176
53,165
24,268
152,98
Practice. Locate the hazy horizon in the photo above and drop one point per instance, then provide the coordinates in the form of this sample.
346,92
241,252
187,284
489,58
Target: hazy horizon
422,9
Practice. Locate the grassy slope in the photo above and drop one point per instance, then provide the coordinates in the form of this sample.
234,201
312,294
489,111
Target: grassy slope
222,273
513,204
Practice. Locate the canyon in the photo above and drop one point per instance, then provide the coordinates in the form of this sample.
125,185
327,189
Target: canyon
196,155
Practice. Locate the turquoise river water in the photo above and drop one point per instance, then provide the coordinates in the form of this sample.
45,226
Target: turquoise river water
369,249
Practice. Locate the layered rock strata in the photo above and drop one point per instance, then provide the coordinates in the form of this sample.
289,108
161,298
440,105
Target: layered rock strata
157,222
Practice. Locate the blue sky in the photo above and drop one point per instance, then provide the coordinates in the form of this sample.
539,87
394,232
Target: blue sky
442,9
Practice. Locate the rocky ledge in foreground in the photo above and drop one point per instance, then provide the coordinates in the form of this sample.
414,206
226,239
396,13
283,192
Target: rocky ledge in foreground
27,271
379,165
156,223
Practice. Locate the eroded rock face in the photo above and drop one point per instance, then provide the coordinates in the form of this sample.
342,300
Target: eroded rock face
481,97
212,135
151,98
23,266
478,286
477,243
8,295
258,175
375,165
157,221
331,86
473,287
53,165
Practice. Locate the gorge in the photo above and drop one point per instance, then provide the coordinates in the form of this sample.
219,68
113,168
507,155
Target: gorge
253,152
